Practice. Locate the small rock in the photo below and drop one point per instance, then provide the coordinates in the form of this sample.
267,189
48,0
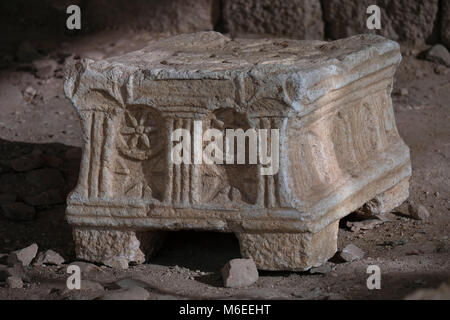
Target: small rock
45,198
45,68
326,268
135,293
18,211
404,91
49,257
29,93
418,211
14,283
239,273
23,256
438,54
351,253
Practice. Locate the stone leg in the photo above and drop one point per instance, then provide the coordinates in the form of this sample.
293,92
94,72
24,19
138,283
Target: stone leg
290,251
115,248
390,199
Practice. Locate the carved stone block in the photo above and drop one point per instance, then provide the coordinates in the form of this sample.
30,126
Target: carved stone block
338,144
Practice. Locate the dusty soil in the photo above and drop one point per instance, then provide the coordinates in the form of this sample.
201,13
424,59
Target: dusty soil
411,253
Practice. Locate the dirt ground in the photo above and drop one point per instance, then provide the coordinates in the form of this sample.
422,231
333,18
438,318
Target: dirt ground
411,253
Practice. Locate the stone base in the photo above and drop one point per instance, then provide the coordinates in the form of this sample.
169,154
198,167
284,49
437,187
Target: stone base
389,200
290,251
115,248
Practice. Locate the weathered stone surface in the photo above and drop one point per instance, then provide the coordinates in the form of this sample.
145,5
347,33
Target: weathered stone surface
301,19
402,20
114,248
238,273
167,16
351,253
338,144
23,256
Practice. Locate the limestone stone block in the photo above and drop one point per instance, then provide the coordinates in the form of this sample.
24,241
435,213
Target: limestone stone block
330,115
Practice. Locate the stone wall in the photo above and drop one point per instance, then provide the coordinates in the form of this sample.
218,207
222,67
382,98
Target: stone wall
414,21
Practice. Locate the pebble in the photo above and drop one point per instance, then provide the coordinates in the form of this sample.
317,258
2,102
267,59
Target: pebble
45,68
351,253
238,273
418,211
29,93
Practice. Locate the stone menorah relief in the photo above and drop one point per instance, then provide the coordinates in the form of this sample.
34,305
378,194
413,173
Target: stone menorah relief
330,135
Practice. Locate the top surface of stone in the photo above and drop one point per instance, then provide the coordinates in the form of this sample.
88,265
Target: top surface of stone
216,53
297,72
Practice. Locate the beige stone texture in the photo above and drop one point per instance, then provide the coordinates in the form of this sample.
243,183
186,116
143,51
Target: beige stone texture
339,147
